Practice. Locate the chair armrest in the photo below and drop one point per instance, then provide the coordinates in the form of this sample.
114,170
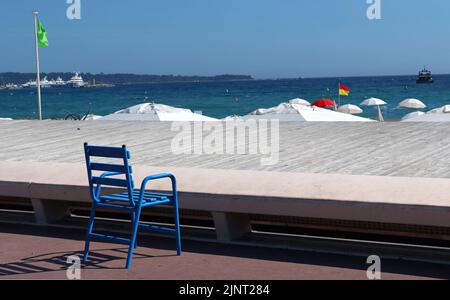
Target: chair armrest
156,177
107,174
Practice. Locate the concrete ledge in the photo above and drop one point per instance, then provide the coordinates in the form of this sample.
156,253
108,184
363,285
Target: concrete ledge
15,188
398,200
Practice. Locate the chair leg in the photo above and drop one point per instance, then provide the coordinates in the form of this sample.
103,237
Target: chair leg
133,219
177,226
133,237
88,234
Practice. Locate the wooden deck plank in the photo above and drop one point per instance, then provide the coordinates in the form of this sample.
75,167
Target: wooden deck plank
388,149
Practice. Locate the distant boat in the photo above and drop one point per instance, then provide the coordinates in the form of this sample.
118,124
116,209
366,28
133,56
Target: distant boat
12,86
30,84
45,83
76,81
424,77
59,82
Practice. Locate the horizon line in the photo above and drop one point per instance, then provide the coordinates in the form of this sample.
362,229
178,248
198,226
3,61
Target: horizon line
231,74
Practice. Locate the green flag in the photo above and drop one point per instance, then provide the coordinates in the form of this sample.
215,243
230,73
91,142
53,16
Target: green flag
42,35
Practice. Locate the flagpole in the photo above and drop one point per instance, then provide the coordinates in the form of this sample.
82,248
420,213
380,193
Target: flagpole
339,93
38,76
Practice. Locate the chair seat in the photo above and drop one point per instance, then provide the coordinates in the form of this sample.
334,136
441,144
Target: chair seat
122,199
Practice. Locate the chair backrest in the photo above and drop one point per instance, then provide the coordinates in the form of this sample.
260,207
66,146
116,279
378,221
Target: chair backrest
111,171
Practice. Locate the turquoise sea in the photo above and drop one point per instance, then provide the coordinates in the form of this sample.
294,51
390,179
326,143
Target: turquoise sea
221,99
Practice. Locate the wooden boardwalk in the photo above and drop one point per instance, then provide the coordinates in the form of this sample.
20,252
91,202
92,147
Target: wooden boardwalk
388,149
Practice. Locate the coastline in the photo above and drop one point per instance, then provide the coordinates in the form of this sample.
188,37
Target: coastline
220,99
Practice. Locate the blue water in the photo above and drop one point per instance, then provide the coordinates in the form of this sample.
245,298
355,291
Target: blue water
220,99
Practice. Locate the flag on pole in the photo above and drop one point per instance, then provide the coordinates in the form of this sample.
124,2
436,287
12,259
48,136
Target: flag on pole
42,35
343,90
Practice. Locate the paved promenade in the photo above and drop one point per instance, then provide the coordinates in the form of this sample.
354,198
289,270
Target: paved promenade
388,149
44,160
40,253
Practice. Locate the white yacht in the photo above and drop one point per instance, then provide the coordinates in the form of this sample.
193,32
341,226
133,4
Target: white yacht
45,83
30,84
59,82
76,81
12,86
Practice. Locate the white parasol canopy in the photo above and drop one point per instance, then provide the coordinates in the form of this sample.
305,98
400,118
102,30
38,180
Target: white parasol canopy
156,112
373,102
412,103
299,102
350,109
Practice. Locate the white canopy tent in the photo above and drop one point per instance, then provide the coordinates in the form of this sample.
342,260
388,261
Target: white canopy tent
441,114
413,115
286,112
155,112
440,110
430,118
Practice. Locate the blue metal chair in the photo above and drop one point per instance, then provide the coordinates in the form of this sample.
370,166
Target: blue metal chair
131,200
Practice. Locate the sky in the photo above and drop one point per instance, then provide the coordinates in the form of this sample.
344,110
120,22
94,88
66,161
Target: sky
262,38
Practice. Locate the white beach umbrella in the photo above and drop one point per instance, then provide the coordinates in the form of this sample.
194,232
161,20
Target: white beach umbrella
350,109
155,112
299,102
413,115
373,102
151,108
412,103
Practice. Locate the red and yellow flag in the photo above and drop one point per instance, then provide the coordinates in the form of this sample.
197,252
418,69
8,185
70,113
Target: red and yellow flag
343,90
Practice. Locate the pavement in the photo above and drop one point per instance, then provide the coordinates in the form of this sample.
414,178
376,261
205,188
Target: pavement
30,252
